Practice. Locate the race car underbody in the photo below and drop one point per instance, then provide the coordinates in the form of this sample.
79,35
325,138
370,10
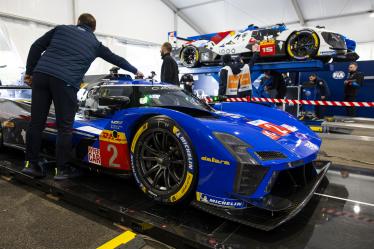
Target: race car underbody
245,162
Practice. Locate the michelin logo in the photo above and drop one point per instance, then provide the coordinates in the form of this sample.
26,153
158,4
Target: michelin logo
222,202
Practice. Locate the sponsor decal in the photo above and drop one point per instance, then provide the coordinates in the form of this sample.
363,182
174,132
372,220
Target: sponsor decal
289,127
180,136
94,155
279,130
184,188
215,160
301,136
218,201
270,134
113,137
310,145
338,75
267,48
116,125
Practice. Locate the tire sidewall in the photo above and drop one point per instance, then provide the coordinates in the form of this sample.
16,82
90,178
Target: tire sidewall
190,178
197,58
297,33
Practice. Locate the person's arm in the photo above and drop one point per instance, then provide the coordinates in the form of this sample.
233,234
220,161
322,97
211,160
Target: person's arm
222,82
253,59
36,50
111,57
323,89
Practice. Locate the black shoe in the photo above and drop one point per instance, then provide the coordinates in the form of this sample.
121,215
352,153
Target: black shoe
66,172
34,169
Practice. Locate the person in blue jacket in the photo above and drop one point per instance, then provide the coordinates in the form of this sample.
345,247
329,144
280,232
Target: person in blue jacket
322,93
56,64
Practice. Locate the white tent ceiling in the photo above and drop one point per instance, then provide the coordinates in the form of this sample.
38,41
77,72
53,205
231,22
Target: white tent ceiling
350,17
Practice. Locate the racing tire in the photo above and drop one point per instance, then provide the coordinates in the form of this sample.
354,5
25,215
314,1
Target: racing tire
303,45
190,56
163,163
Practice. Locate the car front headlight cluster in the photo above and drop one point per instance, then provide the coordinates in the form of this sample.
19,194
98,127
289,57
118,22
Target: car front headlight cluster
206,56
236,147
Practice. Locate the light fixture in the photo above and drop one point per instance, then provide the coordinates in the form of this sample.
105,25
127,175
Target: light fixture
371,14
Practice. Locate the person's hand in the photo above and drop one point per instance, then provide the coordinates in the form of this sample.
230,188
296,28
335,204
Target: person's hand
323,97
27,79
139,74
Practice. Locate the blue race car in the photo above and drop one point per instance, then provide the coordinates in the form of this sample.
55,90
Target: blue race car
241,161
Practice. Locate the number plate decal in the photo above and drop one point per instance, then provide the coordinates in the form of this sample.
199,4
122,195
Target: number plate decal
114,150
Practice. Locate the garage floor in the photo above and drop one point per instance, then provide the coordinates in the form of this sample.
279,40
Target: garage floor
30,220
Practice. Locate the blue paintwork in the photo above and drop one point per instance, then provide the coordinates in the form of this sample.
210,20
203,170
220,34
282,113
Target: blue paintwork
217,179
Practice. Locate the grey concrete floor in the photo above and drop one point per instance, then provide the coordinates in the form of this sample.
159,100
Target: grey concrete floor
30,220
348,152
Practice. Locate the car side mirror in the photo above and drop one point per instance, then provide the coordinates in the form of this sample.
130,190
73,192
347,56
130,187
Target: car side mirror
114,101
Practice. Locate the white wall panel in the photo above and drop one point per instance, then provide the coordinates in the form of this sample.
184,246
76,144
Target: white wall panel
184,30
366,51
55,11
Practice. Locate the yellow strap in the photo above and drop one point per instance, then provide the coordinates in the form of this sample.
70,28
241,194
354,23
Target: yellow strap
119,240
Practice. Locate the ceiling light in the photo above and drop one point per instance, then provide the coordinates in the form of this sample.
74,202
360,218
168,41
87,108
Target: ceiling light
371,14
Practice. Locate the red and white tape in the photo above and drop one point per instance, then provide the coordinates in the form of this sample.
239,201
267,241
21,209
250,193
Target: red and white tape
295,102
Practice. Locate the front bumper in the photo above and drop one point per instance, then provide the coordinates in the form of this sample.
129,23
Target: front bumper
266,214
346,57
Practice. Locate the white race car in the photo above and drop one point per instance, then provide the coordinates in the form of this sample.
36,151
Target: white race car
273,43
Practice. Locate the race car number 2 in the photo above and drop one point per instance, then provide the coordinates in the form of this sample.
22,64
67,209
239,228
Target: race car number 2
114,150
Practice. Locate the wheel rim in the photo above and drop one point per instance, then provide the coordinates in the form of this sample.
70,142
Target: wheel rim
162,161
189,56
303,45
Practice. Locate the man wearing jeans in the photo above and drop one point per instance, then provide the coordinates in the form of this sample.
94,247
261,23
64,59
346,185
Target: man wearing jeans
56,64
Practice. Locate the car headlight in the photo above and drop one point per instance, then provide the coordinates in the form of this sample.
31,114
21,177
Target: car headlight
206,56
236,147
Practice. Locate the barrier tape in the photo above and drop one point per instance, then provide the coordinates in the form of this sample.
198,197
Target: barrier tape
293,101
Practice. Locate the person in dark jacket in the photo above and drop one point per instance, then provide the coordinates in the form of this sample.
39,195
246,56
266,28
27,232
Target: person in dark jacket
56,64
169,68
352,84
188,81
323,93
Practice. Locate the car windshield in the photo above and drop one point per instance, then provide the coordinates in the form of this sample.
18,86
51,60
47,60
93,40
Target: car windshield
169,96
156,96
